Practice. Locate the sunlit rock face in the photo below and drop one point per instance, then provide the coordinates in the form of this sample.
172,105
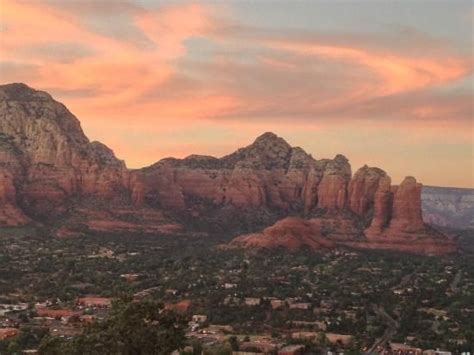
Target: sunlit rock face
50,171
364,211
268,173
291,233
363,188
48,154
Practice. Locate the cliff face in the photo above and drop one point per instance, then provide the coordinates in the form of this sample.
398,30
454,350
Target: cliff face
50,171
46,157
396,223
290,233
448,207
363,187
268,173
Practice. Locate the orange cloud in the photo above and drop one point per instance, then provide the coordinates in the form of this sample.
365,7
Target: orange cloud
170,26
138,92
398,73
117,70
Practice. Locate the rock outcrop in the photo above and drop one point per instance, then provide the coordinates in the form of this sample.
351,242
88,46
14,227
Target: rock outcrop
332,191
383,200
50,171
290,233
268,173
406,215
49,156
363,188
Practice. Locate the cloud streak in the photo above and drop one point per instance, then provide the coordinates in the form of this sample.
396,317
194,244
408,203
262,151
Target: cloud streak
186,66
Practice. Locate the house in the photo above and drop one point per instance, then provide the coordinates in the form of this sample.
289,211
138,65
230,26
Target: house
436,352
252,301
14,307
56,313
5,309
405,349
292,350
327,304
303,306
319,325
350,315
230,300
130,277
65,331
6,333
277,304
171,292
92,301
264,347
304,335
291,300
87,319
339,338
199,318
180,307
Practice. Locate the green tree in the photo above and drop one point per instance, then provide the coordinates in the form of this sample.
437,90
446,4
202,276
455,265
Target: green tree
234,343
131,329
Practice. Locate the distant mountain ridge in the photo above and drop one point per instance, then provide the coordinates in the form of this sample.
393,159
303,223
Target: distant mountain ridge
448,206
51,173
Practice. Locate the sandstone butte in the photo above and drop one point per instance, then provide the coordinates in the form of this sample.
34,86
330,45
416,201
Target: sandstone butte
51,173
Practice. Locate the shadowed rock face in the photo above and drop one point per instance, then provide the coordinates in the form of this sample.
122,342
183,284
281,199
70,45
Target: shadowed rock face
406,213
383,201
362,189
448,207
49,169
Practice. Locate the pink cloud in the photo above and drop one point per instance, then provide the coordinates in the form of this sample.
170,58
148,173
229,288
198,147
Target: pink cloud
116,69
253,80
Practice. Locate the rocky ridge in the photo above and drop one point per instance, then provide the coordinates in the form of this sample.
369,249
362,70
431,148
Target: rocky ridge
51,172
268,173
396,223
48,165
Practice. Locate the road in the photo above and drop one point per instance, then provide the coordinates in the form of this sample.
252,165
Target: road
390,331
454,285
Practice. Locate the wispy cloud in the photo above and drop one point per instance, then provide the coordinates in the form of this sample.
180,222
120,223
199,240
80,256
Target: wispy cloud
184,66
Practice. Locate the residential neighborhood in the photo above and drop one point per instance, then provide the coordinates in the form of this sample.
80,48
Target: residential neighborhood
343,301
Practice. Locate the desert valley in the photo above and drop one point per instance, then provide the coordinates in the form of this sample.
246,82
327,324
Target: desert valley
264,250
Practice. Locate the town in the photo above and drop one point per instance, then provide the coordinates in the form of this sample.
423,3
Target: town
238,302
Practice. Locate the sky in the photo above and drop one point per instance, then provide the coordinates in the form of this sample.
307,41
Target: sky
386,83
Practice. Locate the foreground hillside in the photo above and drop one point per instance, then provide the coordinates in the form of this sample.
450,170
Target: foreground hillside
52,174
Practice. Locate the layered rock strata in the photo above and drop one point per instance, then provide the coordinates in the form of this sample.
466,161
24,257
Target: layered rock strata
50,171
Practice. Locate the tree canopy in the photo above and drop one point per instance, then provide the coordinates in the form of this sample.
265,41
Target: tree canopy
132,328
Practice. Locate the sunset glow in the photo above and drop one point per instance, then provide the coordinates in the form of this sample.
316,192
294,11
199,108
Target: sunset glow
175,78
